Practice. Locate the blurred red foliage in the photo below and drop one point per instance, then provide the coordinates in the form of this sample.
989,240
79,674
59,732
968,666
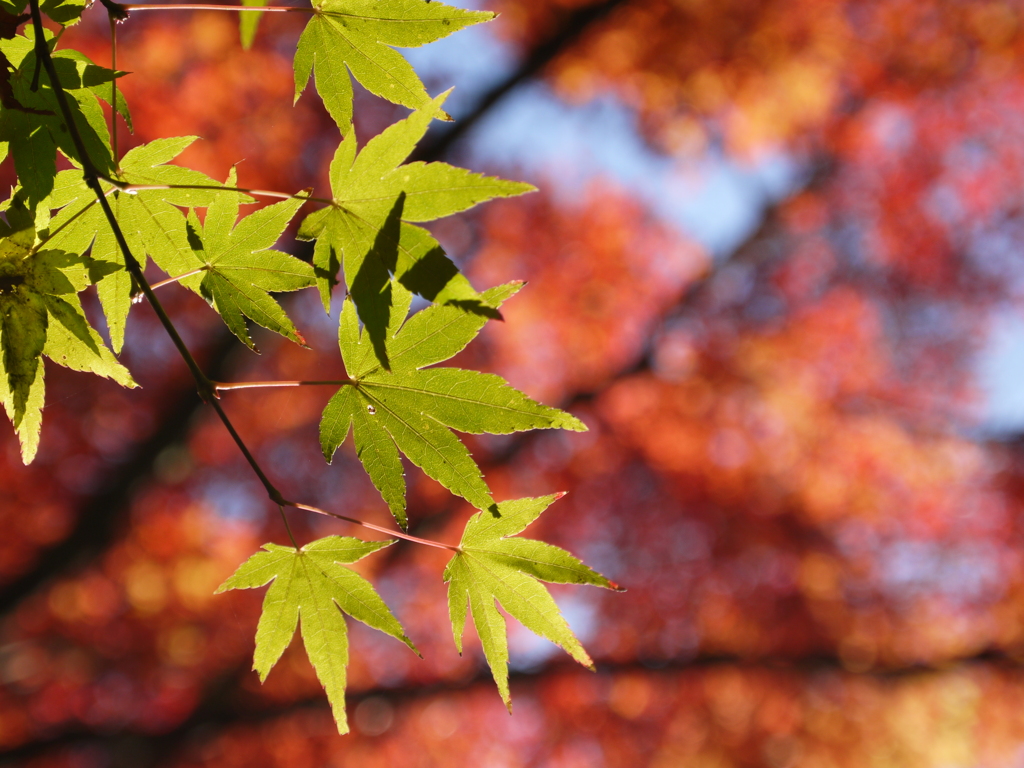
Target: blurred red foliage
823,549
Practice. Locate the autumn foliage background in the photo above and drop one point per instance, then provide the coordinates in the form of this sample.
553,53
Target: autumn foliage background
765,288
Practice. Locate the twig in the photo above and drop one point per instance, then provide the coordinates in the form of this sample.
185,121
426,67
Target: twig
371,526
210,7
175,279
221,386
131,188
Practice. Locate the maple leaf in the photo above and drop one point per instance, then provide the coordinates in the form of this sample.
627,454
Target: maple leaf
65,12
309,583
100,87
29,117
410,410
354,36
490,566
240,268
151,220
375,200
40,314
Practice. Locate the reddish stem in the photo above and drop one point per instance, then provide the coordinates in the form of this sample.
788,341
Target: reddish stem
371,526
207,7
220,385
175,279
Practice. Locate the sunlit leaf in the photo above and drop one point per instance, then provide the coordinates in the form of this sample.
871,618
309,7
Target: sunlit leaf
151,220
490,567
412,410
40,314
369,226
240,268
31,122
354,36
310,586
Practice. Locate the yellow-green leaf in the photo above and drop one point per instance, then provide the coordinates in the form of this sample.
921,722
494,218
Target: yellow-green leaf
490,567
356,36
412,410
311,588
369,230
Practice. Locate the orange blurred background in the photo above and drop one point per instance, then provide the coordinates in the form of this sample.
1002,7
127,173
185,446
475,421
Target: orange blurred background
770,247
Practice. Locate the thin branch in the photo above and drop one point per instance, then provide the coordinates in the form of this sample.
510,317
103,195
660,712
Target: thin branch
135,269
288,527
372,527
272,492
132,188
221,386
210,7
175,279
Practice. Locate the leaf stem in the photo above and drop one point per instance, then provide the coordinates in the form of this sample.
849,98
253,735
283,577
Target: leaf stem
371,526
211,7
175,279
113,88
287,527
130,188
222,386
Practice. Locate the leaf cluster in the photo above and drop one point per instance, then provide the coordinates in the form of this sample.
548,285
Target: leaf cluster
99,224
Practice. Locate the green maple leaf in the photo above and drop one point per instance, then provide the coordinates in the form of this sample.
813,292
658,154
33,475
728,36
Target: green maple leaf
240,267
152,221
100,87
65,12
369,226
490,566
309,583
409,409
40,314
355,36
30,120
